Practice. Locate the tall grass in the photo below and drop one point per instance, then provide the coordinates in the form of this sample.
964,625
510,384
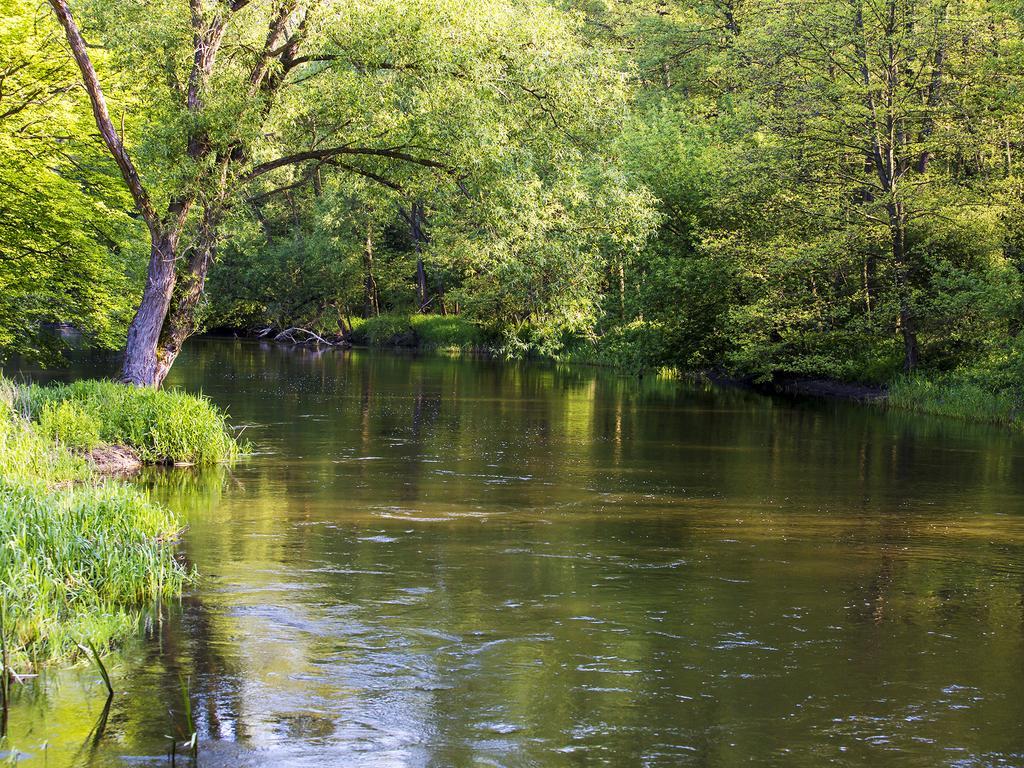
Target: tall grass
428,332
162,426
77,563
956,398
446,332
81,558
27,453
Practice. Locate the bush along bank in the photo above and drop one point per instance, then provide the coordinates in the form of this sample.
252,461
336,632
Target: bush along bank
983,394
643,348
83,556
426,332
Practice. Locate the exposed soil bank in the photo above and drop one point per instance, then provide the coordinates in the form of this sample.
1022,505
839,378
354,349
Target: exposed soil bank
840,390
114,460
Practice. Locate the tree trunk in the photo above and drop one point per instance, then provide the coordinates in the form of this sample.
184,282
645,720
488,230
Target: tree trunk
621,274
372,298
181,323
416,222
897,225
934,91
421,284
142,366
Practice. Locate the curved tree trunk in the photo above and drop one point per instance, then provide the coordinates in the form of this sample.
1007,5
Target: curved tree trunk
141,355
181,321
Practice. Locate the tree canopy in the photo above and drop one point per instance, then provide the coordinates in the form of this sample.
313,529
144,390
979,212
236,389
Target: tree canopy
824,189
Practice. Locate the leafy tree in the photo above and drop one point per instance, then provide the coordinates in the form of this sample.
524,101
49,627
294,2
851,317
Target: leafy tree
241,94
66,246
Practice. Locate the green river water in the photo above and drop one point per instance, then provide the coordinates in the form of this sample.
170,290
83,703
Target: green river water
435,562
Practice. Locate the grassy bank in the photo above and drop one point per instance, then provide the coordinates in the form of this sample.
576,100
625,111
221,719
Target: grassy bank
426,332
162,426
956,398
83,556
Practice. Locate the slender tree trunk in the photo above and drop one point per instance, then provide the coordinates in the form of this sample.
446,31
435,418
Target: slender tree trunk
372,297
908,330
416,222
867,198
934,91
442,305
421,284
621,274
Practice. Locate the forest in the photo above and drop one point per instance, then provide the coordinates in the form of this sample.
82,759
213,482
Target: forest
409,382
769,189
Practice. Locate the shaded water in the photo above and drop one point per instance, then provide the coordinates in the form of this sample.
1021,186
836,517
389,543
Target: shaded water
452,563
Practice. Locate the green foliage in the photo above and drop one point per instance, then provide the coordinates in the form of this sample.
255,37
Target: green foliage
162,426
801,237
523,208
637,347
776,190
67,243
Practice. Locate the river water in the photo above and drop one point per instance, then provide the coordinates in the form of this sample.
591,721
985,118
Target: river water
435,562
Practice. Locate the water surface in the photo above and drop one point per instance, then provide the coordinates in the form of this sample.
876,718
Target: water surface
435,562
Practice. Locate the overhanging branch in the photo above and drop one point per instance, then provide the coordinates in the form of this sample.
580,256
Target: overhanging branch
332,152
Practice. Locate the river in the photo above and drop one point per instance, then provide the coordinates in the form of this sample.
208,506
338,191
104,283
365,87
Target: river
452,562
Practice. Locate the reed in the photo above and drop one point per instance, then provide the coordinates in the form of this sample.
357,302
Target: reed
84,558
79,565
956,398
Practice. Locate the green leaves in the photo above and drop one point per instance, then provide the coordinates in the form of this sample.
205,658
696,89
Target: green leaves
66,244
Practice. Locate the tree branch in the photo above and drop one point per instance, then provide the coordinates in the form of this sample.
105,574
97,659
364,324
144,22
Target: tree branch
368,174
331,152
103,122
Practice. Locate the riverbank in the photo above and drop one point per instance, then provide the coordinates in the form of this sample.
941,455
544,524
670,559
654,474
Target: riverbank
972,398
84,555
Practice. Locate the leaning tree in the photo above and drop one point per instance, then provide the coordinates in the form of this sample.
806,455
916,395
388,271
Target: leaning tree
237,98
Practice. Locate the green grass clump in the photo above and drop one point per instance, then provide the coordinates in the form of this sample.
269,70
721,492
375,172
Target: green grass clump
27,454
957,398
446,332
383,330
78,559
163,426
68,422
78,564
